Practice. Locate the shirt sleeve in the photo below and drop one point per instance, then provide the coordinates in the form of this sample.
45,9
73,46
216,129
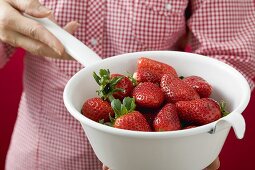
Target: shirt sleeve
225,30
5,53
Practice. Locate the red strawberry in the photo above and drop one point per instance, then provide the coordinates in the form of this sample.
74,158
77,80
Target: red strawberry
149,70
126,117
97,109
148,95
200,111
132,121
202,87
176,90
126,84
167,119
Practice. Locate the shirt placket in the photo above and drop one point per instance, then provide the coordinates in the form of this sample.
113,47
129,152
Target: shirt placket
95,25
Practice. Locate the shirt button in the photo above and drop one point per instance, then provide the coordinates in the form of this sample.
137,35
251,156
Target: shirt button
168,6
93,41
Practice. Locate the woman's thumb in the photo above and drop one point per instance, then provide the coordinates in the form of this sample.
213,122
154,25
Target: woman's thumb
72,26
33,8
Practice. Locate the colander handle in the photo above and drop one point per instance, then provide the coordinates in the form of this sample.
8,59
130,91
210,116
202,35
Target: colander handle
236,120
73,46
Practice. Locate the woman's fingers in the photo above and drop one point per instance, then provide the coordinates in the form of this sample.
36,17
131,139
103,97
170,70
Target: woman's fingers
11,19
215,165
21,31
72,26
35,31
33,46
30,7
105,167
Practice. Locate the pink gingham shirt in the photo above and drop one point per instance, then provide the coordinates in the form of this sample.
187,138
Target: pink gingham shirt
46,136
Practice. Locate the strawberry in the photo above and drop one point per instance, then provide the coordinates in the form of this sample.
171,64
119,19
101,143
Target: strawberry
202,87
126,117
148,95
97,109
132,121
126,84
149,70
176,90
199,111
167,119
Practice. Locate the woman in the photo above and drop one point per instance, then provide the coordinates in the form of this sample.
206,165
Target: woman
45,136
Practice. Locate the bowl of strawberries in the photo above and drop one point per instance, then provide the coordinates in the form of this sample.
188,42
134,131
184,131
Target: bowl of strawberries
158,109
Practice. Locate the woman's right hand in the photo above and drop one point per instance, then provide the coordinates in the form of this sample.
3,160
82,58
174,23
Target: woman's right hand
20,31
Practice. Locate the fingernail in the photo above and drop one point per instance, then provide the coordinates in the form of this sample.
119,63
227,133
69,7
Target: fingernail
57,51
77,23
44,9
74,26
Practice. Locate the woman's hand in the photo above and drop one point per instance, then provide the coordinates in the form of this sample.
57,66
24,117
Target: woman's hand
20,31
214,166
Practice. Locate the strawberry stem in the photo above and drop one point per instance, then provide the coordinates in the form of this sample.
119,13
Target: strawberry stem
106,84
101,121
120,109
223,109
132,79
111,98
129,103
112,120
107,123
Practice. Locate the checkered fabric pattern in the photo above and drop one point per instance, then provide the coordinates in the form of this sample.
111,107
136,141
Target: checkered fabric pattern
46,136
